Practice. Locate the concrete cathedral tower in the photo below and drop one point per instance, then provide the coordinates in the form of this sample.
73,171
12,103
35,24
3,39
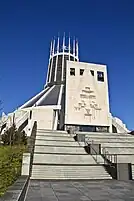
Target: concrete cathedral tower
75,94
61,50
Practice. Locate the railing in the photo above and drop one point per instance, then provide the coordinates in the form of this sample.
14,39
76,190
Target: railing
109,158
94,153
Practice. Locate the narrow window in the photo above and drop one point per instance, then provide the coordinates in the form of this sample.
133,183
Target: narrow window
100,76
72,71
81,71
92,72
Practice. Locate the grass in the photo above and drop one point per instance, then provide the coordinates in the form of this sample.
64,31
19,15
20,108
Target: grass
10,165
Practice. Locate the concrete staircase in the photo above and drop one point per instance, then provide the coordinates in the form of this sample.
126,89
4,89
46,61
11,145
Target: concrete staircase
119,144
58,156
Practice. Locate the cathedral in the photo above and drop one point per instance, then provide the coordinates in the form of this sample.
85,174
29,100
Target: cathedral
75,96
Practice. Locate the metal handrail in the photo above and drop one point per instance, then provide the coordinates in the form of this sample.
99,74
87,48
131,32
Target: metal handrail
112,158
96,154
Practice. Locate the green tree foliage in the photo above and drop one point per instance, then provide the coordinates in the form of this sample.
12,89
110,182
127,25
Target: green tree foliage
13,136
11,152
10,165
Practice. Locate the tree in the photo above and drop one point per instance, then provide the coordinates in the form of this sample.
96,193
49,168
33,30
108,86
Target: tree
14,137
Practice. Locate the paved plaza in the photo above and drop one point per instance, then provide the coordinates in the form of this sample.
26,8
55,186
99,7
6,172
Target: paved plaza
80,191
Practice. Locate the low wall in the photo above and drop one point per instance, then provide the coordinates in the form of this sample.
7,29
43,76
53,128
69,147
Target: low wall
17,191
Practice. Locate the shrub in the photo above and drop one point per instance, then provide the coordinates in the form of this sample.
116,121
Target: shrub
11,152
13,136
10,165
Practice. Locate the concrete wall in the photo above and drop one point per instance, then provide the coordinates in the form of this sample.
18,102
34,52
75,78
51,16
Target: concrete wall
25,164
44,115
124,171
87,101
120,126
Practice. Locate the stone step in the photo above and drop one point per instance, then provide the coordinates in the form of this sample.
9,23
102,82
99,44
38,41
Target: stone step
118,144
69,172
99,159
71,177
53,134
62,159
121,150
102,133
56,138
56,143
114,140
124,158
51,131
124,137
71,150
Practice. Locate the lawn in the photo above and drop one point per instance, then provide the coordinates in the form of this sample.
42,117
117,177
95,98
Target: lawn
10,165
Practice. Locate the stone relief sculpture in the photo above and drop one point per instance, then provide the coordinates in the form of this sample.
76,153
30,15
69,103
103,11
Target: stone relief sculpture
88,104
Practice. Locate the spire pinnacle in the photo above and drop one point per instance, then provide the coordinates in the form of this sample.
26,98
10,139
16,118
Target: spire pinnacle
53,47
77,49
74,46
58,44
51,44
69,44
63,42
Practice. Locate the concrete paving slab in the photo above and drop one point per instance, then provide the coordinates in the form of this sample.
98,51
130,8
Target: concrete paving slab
101,190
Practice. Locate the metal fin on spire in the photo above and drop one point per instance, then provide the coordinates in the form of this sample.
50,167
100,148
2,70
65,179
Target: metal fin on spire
77,49
53,47
69,45
74,46
63,42
58,44
61,50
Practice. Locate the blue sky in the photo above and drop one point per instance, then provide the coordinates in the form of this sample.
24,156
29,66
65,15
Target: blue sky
105,30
